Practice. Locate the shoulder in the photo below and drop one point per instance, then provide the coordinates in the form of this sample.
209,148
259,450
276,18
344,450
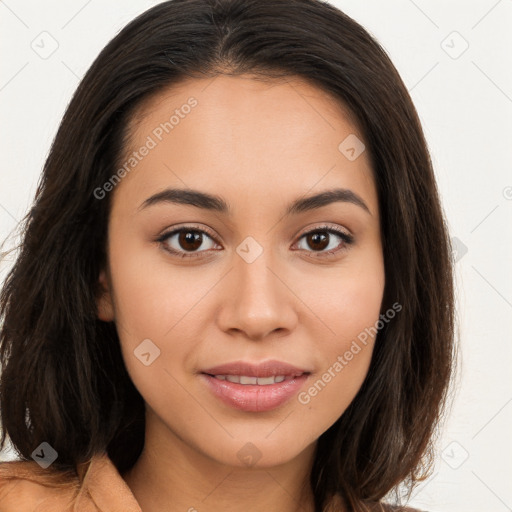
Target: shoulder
336,505
24,487
385,507
95,486
406,509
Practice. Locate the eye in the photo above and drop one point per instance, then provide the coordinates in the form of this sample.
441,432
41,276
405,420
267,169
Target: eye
185,241
321,239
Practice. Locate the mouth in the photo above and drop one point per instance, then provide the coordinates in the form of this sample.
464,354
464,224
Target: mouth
259,381
255,387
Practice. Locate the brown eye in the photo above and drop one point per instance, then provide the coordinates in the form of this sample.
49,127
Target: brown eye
318,241
326,241
186,242
190,240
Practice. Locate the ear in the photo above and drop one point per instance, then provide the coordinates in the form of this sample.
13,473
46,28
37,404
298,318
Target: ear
105,309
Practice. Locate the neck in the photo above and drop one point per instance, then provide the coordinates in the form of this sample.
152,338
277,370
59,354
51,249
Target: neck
171,472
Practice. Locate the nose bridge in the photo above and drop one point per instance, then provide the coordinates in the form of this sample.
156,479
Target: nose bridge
259,301
256,279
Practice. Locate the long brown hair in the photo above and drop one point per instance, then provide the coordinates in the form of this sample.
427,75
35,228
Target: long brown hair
63,379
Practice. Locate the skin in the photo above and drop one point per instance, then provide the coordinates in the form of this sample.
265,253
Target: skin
259,146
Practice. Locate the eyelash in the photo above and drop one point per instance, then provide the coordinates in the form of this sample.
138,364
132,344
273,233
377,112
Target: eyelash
346,238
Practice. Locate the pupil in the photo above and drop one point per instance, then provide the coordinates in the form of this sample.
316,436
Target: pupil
192,239
319,237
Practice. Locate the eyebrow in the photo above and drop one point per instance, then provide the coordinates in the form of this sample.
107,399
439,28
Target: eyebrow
218,204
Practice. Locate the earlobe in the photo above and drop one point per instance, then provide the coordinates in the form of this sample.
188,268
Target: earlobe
105,309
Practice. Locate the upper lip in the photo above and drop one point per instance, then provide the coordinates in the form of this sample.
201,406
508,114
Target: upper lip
270,368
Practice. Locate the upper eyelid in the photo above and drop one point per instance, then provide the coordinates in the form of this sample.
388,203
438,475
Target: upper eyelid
166,234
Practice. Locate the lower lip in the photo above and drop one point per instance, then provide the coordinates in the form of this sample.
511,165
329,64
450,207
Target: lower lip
252,397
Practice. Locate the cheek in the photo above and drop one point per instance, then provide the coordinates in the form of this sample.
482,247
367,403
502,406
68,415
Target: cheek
349,309
346,300
151,296
348,306
155,307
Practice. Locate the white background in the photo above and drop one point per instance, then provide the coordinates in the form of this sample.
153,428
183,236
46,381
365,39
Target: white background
464,99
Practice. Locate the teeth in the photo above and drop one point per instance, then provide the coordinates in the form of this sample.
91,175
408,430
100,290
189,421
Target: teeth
243,379
264,381
248,380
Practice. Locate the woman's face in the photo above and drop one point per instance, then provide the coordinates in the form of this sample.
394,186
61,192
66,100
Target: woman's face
249,278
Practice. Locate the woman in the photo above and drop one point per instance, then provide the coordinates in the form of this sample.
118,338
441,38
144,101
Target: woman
234,289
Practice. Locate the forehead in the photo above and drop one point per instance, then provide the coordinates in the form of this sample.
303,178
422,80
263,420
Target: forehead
245,135
236,89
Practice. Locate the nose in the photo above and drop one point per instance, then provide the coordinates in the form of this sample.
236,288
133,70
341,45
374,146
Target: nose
257,300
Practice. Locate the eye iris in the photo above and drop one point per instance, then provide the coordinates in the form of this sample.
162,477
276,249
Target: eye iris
190,237
318,238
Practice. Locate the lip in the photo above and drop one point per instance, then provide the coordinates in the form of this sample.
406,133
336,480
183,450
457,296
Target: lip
269,368
255,398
